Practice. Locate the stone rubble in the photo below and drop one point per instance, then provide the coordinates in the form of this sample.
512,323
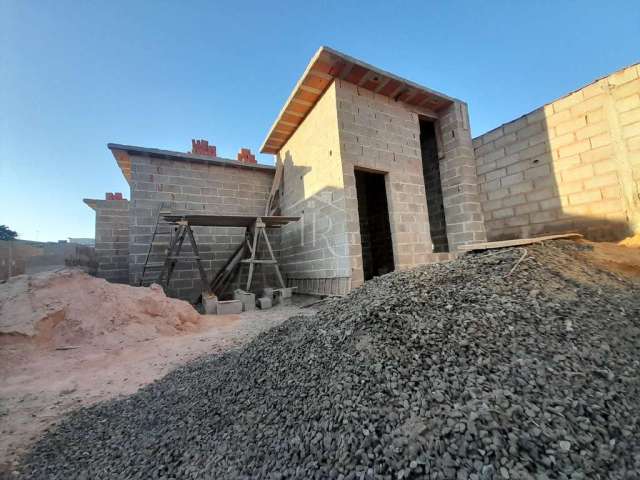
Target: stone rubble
471,369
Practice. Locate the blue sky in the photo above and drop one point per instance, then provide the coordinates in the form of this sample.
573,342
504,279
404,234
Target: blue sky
75,75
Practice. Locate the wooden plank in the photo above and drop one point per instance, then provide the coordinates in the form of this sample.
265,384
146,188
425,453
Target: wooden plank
288,124
230,220
356,74
275,186
306,88
390,87
302,103
226,272
316,80
516,242
273,257
252,258
203,275
305,96
169,265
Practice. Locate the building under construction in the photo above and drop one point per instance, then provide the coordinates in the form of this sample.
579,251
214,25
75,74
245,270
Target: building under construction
375,173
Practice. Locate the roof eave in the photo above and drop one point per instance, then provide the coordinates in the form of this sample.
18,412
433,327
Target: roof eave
268,146
264,148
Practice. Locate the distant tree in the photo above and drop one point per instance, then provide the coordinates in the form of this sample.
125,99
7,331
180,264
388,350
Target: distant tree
6,233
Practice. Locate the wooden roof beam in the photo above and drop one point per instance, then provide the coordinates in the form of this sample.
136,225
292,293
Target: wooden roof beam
328,65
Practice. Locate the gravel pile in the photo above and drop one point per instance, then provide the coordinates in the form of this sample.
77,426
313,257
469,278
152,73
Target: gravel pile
491,366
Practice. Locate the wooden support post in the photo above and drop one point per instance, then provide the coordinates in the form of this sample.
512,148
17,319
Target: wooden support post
203,274
170,261
273,258
253,249
220,281
258,231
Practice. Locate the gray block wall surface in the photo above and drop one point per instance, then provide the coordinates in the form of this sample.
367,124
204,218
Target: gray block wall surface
572,165
353,128
195,188
112,239
315,251
460,185
380,134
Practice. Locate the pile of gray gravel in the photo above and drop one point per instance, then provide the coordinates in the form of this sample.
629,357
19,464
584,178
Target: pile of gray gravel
471,369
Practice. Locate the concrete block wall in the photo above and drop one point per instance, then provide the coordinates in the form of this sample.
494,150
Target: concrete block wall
112,239
380,134
458,176
14,256
314,251
571,165
183,186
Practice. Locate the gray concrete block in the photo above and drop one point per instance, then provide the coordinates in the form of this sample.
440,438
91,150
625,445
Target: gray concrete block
248,300
210,304
229,307
264,303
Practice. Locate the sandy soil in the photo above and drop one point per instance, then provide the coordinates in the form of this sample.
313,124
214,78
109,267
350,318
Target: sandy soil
40,385
621,258
69,307
633,241
120,346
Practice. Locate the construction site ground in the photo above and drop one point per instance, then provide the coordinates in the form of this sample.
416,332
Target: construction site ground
46,376
41,383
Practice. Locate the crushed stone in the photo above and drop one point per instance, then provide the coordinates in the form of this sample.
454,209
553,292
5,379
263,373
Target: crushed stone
471,369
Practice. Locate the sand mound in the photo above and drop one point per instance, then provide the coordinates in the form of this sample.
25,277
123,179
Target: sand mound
69,307
633,242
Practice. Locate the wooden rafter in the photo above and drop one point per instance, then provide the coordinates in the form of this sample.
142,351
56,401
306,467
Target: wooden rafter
328,65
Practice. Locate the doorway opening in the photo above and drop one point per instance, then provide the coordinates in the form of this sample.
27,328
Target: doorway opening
375,230
433,186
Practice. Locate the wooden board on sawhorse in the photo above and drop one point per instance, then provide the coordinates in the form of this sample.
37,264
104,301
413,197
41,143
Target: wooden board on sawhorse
252,238
173,255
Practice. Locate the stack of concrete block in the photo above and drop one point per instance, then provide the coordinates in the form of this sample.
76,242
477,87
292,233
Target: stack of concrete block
210,304
229,307
266,301
247,299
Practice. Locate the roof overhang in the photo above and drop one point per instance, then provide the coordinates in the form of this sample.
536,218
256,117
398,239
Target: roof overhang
91,202
122,154
328,65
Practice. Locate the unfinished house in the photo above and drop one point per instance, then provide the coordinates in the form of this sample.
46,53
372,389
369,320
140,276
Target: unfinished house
358,146
383,175
198,182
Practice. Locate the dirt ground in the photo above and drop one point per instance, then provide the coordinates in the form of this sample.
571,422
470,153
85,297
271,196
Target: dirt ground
38,387
40,383
623,258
